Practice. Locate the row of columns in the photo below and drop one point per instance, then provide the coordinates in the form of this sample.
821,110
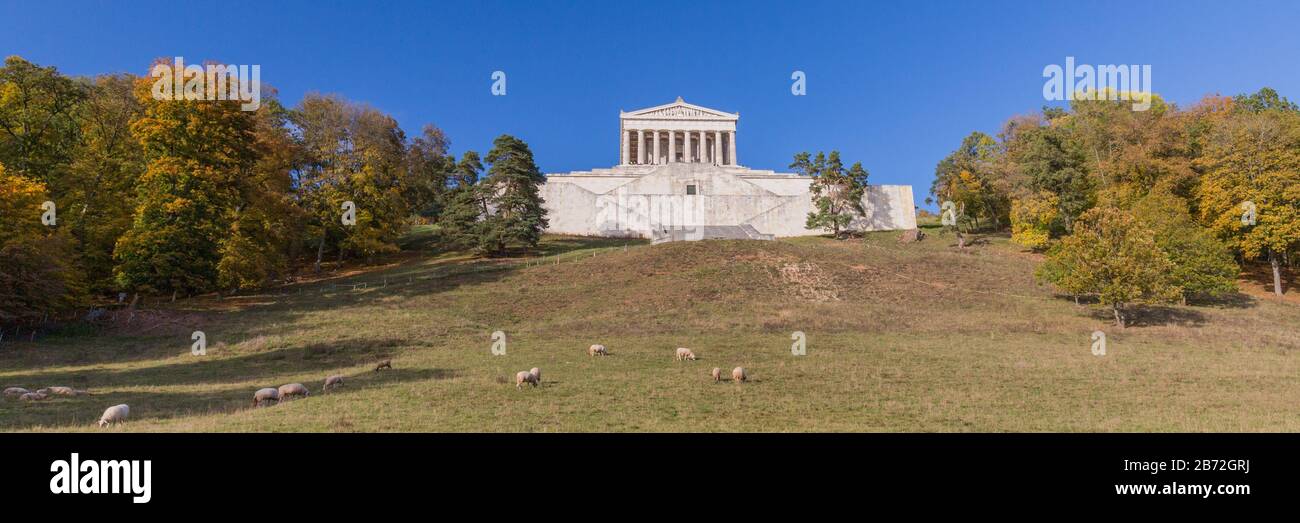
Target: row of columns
652,154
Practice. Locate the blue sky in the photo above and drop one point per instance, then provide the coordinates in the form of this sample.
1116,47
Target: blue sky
891,84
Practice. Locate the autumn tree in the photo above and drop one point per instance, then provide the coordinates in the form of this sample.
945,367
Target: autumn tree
38,121
196,152
1110,255
1202,265
966,177
36,275
1250,192
99,193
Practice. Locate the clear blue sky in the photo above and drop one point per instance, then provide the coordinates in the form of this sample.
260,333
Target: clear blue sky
894,85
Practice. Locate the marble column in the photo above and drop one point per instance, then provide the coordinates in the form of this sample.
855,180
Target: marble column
717,147
686,146
672,146
735,160
625,156
656,148
640,146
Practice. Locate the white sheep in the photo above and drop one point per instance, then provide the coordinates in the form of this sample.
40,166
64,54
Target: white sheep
597,349
738,374
33,396
537,374
684,353
64,391
16,391
114,414
523,377
293,389
717,374
331,382
265,395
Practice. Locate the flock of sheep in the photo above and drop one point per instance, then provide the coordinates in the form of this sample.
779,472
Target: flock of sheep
114,414
118,413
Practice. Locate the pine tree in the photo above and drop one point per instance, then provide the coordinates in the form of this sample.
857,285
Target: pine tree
516,217
836,193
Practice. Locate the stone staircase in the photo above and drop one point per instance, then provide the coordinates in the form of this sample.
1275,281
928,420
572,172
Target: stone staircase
709,232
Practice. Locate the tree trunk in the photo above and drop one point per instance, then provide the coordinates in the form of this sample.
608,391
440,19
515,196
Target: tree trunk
320,251
1277,272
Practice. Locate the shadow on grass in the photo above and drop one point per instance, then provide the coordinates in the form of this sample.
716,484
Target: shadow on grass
1154,315
83,411
199,370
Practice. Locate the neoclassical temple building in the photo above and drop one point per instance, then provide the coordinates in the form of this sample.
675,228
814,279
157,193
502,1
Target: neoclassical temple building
679,177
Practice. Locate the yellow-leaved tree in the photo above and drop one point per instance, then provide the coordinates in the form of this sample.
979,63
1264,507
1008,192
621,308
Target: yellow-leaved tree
1250,193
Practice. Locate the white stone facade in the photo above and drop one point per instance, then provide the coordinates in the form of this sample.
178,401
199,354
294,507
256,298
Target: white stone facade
679,170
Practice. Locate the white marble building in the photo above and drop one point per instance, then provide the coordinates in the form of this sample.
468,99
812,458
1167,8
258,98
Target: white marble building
679,170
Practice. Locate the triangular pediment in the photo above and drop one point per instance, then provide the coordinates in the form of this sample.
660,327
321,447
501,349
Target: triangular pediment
680,110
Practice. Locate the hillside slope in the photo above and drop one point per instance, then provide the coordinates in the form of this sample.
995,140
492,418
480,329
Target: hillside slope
918,337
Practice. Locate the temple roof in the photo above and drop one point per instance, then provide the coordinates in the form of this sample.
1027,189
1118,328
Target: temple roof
678,110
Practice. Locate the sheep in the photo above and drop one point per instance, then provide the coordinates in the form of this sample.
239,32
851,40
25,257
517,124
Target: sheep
684,353
331,382
292,390
717,374
114,414
65,391
597,349
738,374
386,364
523,377
265,395
33,396
537,374
16,391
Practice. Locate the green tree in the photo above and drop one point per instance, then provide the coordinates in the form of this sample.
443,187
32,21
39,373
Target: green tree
99,193
836,192
516,217
38,121
1202,265
967,177
1110,255
466,204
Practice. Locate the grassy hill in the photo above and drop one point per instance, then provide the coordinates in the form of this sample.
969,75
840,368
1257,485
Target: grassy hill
915,337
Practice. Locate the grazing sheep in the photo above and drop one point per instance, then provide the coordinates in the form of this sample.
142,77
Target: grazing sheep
331,382
523,377
293,389
684,353
44,392
33,396
717,374
537,374
738,374
265,395
16,391
597,349
65,391
386,364
114,414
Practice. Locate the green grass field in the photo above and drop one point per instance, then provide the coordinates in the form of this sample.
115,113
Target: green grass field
900,337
